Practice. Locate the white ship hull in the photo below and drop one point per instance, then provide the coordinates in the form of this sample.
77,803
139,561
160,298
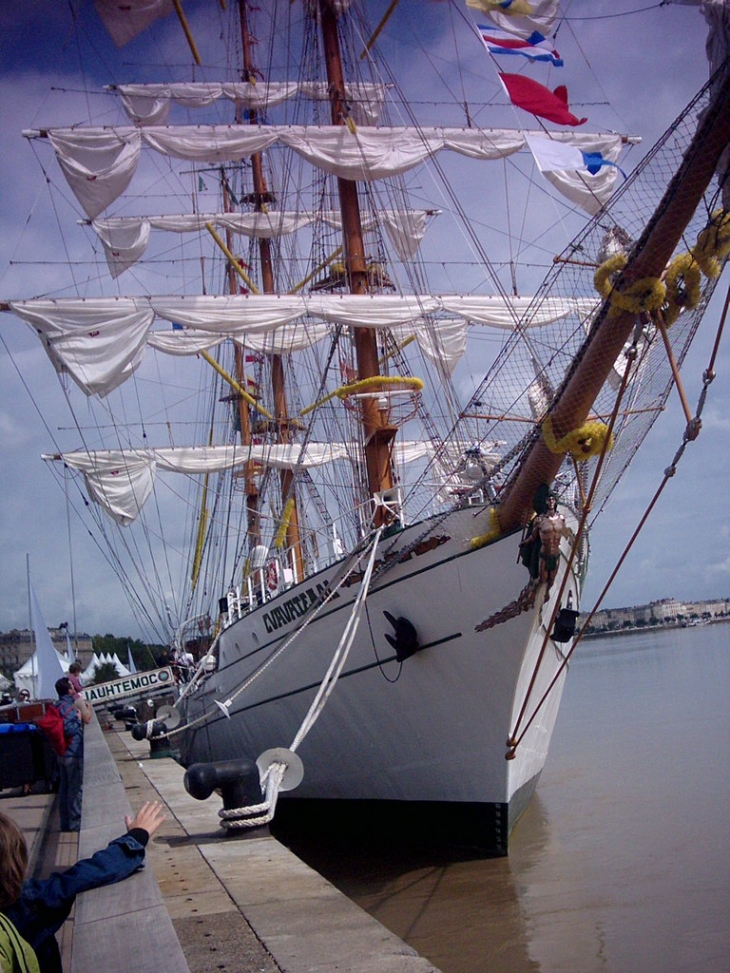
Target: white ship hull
432,729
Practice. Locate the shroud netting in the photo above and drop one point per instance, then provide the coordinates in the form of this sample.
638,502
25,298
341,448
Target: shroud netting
504,409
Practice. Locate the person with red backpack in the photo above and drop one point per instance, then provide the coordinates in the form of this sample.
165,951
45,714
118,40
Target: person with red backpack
71,763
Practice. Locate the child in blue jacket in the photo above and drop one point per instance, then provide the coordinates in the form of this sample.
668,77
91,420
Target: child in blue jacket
38,908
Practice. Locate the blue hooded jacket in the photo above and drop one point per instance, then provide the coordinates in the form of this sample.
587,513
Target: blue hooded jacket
44,904
72,726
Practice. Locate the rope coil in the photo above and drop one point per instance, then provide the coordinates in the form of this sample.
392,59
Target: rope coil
684,286
582,443
491,534
713,244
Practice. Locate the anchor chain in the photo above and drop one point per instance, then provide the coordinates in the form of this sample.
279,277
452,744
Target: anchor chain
522,603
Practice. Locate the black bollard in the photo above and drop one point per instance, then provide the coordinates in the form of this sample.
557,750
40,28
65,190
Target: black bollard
240,786
153,731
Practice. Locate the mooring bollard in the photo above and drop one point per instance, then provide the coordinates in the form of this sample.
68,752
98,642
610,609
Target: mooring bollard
240,786
155,731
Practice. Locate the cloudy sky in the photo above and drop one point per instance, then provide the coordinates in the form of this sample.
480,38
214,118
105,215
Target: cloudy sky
632,68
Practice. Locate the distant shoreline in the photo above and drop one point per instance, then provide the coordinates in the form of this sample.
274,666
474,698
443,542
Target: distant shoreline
633,629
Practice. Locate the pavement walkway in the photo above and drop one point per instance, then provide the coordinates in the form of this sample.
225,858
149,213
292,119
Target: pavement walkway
204,902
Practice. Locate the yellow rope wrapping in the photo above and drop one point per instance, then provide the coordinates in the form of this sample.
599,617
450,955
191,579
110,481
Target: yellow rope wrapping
234,384
581,443
683,280
285,518
681,288
200,538
605,277
375,382
647,294
491,535
378,383
713,244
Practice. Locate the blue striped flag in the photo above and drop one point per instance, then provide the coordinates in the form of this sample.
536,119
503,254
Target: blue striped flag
534,48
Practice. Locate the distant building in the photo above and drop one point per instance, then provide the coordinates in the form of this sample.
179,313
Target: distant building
17,646
667,611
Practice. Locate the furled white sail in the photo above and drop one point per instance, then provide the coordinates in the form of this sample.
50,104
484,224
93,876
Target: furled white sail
121,481
98,350
100,341
149,104
125,239
99,163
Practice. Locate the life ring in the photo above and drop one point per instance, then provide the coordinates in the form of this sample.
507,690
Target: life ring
272,576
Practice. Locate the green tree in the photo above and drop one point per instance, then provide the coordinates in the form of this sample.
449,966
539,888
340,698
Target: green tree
105,672
144,656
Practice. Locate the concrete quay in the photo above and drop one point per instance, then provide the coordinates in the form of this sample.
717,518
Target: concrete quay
205,902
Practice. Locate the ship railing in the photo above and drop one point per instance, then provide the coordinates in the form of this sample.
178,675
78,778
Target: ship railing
471,496
271,574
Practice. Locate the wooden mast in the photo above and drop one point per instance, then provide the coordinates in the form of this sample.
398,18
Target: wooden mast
244,413
379,434
281,412
610,333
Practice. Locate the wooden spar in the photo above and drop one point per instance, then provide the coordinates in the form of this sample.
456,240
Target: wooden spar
379,434
186,28
233,263
281,411
374,36
609,334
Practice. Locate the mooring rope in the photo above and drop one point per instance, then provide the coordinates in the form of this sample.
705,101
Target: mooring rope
355,559
274,774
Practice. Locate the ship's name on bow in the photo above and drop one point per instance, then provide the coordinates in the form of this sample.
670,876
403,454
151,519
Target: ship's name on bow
294,608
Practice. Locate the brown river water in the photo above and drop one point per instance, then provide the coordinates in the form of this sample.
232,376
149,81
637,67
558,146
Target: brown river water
621,863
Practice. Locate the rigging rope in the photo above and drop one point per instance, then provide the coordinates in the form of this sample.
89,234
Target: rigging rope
513,740
201,670
690,434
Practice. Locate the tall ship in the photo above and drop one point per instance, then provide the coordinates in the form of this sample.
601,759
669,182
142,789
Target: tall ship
342,434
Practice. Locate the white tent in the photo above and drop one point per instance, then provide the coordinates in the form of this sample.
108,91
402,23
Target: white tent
87,676
27,676
121,668
41,672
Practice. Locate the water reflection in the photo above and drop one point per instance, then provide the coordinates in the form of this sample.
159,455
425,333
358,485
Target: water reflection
621,862
462,915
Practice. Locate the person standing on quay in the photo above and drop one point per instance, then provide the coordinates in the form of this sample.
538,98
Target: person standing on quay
71,764
74,671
